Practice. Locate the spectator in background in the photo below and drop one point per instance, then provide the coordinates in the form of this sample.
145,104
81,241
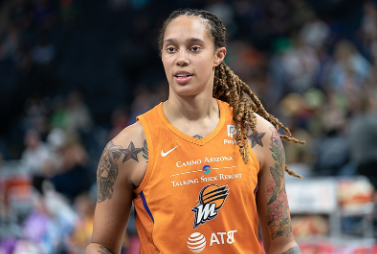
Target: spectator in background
368,29
36,115
315,32
34,158
82,232
332,148
363,136
44,52
56,140
246,59
58,117
277,70
79,119
39,229
316,101
48,226
73,177
301,64
348,63
72,115
295,111
325,62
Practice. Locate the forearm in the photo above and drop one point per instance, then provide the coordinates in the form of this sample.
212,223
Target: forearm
94,248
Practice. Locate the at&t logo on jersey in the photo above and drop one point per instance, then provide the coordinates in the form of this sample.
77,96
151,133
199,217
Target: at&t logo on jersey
197,242
211,199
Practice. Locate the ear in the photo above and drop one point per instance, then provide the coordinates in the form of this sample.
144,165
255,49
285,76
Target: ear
219,56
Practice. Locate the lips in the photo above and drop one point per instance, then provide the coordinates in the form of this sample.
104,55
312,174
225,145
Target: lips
182,74
182,77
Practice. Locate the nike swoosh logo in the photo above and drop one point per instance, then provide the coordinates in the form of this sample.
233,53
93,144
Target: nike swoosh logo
171,150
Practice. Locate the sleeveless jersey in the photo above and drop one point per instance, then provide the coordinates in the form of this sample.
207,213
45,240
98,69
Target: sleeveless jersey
197,195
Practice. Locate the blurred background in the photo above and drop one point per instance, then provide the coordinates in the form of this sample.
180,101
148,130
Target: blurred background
73,73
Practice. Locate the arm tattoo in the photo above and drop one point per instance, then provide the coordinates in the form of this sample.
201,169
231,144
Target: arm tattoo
131,152
278,219
198,136
145,150
108,167
103,250
293,250
256,138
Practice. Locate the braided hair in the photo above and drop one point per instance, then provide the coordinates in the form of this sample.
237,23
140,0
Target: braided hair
230,88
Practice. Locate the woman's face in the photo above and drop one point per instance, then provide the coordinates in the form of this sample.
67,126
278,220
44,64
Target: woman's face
189,56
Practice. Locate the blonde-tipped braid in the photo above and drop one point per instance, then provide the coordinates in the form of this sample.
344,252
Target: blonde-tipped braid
230,88
291,173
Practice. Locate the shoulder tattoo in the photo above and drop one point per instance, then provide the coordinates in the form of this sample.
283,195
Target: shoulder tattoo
278,219
256,138
145,150
108,166
198,136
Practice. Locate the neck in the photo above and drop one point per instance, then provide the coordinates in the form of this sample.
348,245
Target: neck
192,108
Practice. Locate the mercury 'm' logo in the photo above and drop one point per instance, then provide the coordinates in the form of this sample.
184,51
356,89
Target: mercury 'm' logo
211,199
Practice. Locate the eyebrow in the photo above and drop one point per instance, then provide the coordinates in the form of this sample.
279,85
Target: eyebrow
188,40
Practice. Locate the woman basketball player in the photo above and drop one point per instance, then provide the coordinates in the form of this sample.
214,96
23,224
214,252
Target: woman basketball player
203,168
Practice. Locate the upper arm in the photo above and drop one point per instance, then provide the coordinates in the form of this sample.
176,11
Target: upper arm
273,209
120,161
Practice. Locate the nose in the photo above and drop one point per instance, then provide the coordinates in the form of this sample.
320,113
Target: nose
182,59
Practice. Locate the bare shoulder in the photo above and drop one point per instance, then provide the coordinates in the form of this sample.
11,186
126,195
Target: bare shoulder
263,124
260,139
124,160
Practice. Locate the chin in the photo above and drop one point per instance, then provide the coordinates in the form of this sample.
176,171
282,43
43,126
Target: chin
188,89
185,90
187,93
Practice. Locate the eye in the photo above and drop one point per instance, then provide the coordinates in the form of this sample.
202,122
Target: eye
195,48
170,49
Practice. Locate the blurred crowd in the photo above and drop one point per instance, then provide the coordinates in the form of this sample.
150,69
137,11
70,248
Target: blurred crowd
73,73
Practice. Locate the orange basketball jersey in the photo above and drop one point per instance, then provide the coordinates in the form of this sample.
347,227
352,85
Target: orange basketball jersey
197,195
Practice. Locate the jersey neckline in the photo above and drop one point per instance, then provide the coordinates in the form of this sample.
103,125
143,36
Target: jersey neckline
183,135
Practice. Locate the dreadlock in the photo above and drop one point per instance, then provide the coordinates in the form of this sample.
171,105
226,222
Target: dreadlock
230,88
